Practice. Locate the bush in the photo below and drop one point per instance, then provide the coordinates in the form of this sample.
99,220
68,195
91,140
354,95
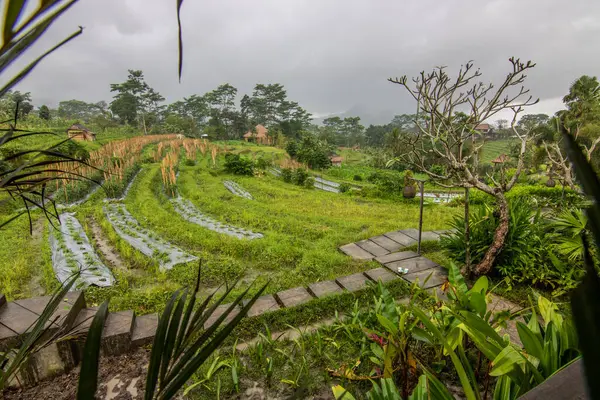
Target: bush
358,178
292,148
239,165
263,163
344,187
189,163
388,182
300,176
543,196
287,175
309,183
530,253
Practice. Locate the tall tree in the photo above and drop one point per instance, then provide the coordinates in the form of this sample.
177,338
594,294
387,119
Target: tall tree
438,96
135,100
221,102
9,102
44,112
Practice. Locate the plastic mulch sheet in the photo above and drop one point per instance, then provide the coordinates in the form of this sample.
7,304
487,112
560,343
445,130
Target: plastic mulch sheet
326,185
190,213
128,228
236,189
72,252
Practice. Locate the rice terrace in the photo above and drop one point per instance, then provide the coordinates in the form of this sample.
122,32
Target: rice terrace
210,242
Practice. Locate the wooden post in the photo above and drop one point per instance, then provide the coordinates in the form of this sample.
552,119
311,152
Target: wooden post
467,234
422,184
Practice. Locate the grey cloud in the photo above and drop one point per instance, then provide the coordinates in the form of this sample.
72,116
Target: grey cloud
331,55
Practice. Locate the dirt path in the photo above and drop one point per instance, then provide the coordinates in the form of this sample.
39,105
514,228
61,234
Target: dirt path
106,250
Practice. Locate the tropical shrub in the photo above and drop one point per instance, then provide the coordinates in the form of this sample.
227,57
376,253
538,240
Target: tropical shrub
239,165
387,181
536,251
314,152
300,176
287,174
357,178
309,183
263,163
344,187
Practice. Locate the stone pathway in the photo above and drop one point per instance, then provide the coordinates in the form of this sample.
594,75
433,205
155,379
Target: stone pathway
387,243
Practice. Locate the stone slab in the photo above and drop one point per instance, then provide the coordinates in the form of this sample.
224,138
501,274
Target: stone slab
353,282
262,305
567,384
14,321
381,274
441,232
433,276
402,255
411,232
372,247
294,297
412,264
66,312
324,288
387,243
356,252
220,310
116,336
144,330
429,236
400,238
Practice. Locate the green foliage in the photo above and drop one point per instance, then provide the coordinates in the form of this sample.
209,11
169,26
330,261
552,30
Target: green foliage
313,152
541,195
387,181
44,112
263,163
239,165
309,183
344,187
287,174
536,251
292,148
357,178
300,176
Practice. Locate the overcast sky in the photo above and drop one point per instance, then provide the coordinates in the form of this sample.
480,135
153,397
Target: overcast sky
333,56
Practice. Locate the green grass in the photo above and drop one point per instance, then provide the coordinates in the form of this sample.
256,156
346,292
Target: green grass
494,148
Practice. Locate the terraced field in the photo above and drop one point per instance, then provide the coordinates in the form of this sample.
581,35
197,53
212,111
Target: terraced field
281,233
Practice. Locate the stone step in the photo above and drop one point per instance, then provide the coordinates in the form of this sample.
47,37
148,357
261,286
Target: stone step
2,299
117,333
144,329
17,317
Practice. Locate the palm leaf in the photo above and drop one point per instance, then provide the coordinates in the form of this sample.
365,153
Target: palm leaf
88,377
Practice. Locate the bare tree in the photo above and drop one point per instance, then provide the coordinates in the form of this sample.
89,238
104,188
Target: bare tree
452,109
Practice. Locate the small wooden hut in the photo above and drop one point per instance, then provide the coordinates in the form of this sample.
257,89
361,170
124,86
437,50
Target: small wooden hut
259,135
80,132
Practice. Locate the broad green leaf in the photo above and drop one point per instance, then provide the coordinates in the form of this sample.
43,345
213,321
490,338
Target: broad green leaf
422,335
548,311
340,393
477,303
530,341
507,361
481,286
456,279
477,323
387,324
377,350
534,325
454,338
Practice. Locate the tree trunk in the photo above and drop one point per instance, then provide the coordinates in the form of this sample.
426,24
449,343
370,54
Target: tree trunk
486,264
468,269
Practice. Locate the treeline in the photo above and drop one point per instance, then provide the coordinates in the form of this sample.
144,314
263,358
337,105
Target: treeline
216,113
